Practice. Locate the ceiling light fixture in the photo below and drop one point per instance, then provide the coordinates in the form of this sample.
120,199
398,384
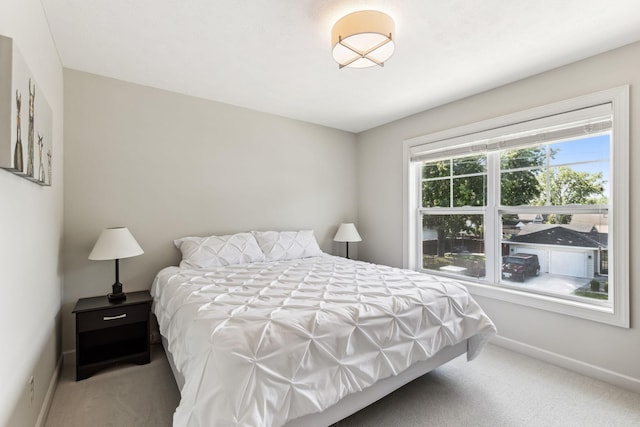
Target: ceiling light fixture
363,39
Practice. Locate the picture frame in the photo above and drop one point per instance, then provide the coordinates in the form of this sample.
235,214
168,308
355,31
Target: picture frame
25,119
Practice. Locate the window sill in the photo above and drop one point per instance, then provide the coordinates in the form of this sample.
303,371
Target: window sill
596,313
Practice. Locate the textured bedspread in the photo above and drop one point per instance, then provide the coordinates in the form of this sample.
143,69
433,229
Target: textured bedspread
260,344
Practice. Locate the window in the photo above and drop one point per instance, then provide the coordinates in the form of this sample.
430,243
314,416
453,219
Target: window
531,208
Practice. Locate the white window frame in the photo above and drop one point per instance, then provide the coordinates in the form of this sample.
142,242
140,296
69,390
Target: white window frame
617,313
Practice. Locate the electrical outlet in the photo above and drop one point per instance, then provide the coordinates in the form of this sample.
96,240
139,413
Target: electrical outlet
31,385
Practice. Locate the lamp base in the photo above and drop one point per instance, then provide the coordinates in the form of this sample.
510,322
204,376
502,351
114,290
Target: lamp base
117,297
117,294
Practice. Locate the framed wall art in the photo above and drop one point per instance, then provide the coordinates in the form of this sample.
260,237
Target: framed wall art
25,119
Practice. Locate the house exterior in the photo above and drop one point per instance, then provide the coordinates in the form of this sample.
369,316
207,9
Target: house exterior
577,250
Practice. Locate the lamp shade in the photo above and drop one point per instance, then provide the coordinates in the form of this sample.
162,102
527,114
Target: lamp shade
363,39
347,233
115,243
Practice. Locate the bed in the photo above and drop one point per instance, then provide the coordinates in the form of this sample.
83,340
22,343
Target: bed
263,328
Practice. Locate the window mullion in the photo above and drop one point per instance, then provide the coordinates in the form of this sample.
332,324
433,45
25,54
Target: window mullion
415,258
492,219
451,183
548,177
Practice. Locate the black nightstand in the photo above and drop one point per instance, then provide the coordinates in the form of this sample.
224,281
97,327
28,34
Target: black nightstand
111,332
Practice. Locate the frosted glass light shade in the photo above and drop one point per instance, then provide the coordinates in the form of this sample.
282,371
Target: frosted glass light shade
115,243
347,232
363,39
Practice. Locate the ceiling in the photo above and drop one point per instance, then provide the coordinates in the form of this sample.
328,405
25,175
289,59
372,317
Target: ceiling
275,55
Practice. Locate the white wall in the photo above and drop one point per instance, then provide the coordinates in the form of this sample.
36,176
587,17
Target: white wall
168,165
380,202
30,236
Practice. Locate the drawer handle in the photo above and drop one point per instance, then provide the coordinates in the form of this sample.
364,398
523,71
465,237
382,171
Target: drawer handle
122,316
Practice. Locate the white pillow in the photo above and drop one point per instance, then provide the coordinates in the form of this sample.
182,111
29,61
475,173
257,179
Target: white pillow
285,245
218,251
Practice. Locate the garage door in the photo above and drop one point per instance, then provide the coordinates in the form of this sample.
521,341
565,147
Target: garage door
568,263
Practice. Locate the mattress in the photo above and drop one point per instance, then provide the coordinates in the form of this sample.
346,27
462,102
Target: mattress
266,343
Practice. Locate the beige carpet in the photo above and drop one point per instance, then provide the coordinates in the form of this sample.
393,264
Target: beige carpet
122,396
500,388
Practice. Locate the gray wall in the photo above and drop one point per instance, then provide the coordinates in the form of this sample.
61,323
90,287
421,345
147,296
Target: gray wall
30,237
380,192
168,165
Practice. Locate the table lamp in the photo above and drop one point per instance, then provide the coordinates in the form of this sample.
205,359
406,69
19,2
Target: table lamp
347,233
116,243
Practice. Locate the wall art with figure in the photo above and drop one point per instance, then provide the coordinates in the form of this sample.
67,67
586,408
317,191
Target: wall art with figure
25,119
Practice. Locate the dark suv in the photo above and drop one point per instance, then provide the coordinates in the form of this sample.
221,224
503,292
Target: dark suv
519,266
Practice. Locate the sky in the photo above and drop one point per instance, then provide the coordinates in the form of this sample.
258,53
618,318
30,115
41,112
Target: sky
583,150
578,150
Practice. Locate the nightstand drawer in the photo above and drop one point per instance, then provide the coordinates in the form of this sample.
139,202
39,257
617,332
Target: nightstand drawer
110,317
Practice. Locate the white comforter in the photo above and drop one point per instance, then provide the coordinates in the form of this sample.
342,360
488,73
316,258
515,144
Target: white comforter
260,344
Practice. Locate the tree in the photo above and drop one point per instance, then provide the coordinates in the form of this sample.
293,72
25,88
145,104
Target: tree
519,184
571,187
462,182
450,177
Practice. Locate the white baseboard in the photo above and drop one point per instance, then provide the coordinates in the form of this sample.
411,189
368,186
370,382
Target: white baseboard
583,368
48,398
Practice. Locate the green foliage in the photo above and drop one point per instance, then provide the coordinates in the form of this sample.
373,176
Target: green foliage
467,190
436,193
474,264
520,187
594,295
568,187
451,226
472,190
463,182
434,262
592,290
